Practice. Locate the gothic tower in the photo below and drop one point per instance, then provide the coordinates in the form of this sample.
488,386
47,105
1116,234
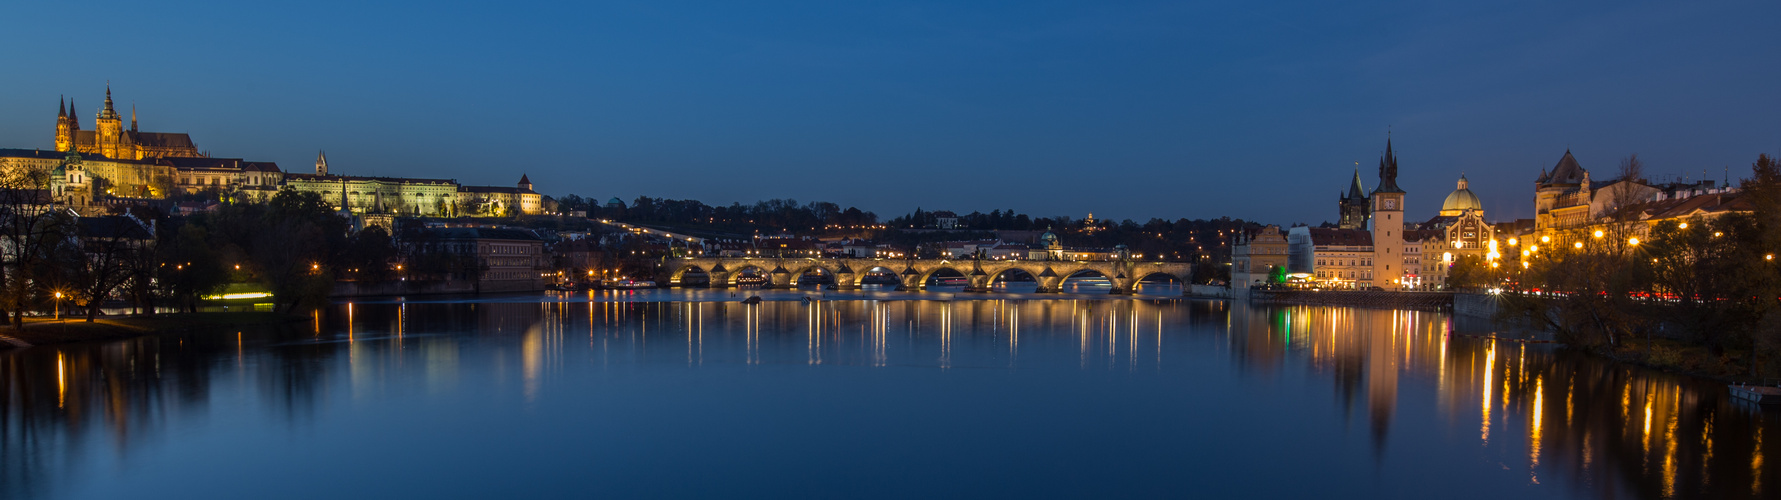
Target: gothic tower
321,163
110,129
64,127
1388,224
1353,205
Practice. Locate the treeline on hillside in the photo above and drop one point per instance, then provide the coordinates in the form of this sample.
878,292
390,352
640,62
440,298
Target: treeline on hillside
1714,283
774,215
995,220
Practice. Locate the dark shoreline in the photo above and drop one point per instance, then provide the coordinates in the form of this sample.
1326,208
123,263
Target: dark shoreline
42,331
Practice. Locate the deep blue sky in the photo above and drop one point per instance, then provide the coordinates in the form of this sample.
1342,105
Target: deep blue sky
1136,110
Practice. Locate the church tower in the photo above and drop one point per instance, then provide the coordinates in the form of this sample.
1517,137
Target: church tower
110,127
64,127
1388,224
321,163
1353,205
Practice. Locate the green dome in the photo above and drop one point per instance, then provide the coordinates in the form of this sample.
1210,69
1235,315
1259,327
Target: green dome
1461,199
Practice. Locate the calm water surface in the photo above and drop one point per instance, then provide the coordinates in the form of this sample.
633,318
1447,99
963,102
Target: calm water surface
678,397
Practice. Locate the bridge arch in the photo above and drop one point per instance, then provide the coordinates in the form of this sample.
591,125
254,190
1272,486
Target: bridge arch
1020,273
676,276
864,272
1138,279
798,271
749,268
1079,276
930,273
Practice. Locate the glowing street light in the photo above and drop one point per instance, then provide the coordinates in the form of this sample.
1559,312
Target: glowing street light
59,306
1579,245
1598,233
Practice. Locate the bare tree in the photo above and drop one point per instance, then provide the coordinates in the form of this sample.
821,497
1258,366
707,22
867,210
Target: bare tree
28,229
99,261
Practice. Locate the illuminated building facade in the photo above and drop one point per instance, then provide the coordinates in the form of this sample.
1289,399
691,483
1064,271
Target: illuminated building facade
111,140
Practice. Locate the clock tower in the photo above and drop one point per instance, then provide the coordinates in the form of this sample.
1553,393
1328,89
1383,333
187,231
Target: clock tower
1388,224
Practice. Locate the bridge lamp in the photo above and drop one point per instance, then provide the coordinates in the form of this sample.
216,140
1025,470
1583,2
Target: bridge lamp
1598,233
1579,245
1513,241
1545,239
1633,241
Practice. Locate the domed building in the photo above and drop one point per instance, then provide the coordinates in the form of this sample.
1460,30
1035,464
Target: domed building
1461,225
1461,200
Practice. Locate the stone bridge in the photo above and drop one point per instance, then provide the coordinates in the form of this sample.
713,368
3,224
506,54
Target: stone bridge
914,273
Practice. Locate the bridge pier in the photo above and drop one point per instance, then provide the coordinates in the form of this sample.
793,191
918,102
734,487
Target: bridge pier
979,282
720,279
1121,286
781,278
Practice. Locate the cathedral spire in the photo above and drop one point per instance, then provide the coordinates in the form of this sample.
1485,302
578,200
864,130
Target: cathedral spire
321,163
109,112
73,116
62,107
132,117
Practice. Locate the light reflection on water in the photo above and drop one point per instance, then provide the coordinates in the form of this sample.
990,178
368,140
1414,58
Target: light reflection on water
1064,397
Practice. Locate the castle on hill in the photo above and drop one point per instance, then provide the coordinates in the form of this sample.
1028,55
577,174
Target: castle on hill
92,168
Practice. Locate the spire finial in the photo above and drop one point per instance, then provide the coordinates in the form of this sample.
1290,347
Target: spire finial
132,116
62,107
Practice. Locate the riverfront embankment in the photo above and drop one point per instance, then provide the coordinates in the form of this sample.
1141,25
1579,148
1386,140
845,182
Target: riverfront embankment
43,331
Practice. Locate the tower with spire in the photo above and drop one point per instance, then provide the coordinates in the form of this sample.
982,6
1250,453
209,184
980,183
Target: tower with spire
64,127
1353,205
1388,224
110,128
321,163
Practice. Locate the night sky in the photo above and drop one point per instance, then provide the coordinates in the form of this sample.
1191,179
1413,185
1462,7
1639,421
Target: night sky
1138,110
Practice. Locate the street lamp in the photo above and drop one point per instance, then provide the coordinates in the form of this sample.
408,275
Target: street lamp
59,305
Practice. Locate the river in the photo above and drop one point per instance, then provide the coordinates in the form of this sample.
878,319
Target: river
687,394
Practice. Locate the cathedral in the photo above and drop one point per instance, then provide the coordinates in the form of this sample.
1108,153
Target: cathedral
111,140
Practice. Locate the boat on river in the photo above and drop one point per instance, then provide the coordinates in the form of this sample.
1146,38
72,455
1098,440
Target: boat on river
1759,394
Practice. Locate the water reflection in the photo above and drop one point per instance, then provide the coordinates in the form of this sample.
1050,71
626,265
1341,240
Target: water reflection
1483,405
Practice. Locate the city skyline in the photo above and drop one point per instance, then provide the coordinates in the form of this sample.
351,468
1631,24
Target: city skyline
1047,111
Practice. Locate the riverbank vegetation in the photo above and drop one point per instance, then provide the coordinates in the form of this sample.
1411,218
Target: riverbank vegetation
58,263
1697,294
